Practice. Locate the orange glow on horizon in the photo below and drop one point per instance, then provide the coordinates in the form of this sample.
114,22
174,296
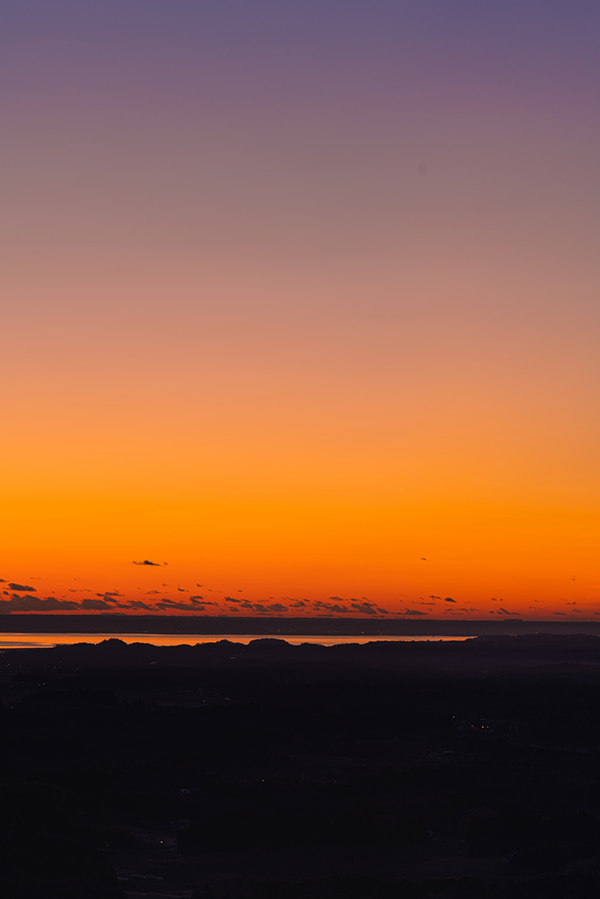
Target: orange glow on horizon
323,339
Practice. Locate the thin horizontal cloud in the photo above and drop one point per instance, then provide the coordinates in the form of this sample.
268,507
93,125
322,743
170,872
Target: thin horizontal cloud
367,608
243,605
148,563
22,587
103,597
170,604
28,603
97,604
260,608
337,605
109,596
320,605
277,607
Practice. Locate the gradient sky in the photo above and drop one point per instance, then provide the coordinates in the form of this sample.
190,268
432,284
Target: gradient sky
301,299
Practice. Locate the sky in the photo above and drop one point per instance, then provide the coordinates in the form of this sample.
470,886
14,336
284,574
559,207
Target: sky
299,307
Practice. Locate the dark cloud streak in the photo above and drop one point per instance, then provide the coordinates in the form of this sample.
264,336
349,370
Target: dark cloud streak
29,603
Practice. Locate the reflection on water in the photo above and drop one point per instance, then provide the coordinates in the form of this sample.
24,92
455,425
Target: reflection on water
47,641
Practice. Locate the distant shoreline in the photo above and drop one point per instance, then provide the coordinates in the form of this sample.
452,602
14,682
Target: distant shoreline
205,624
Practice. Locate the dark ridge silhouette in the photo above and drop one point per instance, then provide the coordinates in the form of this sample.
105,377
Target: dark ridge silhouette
386,769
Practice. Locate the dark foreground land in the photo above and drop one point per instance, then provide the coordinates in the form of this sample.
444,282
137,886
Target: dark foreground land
270,771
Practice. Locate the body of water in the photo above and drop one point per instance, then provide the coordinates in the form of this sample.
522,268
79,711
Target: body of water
47,641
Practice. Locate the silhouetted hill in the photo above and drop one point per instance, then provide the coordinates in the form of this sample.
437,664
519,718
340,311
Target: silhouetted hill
464,769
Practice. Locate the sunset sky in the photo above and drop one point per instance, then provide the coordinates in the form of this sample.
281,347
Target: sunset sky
300,302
